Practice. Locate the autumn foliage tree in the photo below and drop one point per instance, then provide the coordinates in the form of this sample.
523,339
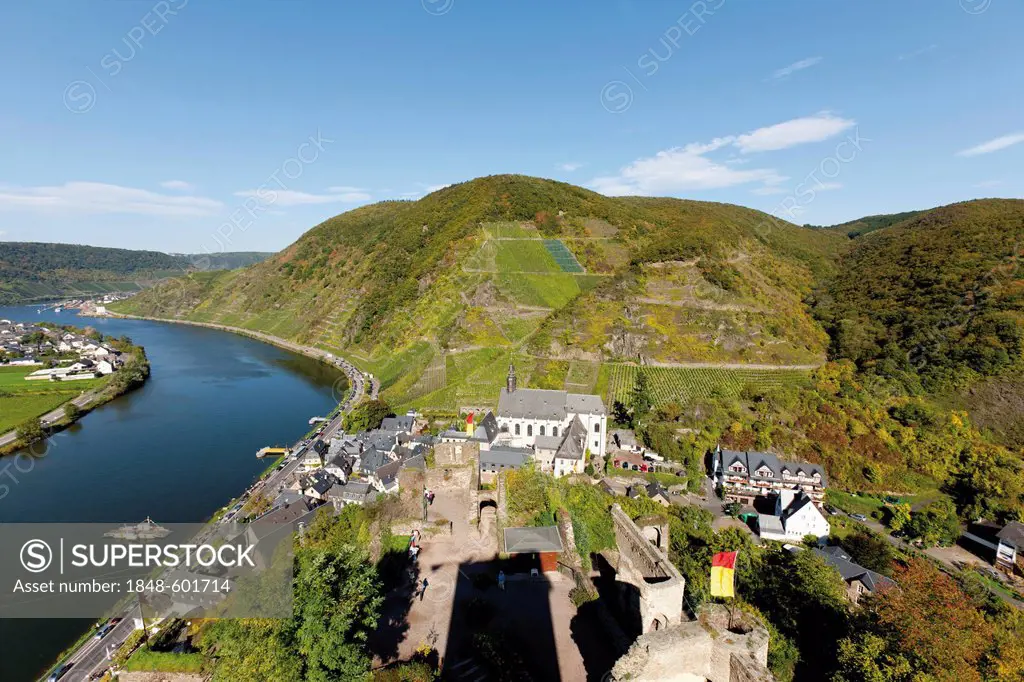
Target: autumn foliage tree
926,628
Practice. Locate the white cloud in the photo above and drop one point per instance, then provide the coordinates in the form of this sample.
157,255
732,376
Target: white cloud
98,197
917,53
570,167
178,185
424,189
993,145
689,168
794,67
677,170
791,133
816,187
287,197
985,184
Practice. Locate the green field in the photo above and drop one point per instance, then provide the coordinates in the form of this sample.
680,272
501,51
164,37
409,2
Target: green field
21,400
686,384
509,231
545,291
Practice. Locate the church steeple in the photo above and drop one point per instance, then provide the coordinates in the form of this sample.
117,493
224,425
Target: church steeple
510,383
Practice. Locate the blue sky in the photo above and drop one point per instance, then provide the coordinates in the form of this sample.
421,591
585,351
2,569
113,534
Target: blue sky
195,126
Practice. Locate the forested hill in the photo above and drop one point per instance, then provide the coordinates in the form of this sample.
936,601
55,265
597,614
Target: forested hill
939,295
861,226
521,265
34,271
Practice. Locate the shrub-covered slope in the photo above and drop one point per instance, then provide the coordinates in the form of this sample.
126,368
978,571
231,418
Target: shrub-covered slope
515,264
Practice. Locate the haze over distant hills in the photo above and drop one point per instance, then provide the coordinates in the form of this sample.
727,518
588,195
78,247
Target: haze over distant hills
31,271
437,295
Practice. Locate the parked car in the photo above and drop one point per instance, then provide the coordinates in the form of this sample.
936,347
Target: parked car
831,510
858,517
104,630
60,672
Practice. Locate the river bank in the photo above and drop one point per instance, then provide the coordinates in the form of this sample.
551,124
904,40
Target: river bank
177,448
134,372
308,351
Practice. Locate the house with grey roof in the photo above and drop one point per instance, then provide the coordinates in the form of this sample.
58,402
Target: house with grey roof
743,476
859,580
483,432
796,517
1010,547
316,484
498,459
353,492
525,414
563,455
403,424
385,478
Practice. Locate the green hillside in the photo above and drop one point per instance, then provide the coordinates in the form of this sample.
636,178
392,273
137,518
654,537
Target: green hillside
938,296
513,266
862,226
32,271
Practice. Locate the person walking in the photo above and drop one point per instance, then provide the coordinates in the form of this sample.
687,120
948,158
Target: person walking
501,580
423,591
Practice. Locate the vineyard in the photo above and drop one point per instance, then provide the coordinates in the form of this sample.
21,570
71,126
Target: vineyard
687,384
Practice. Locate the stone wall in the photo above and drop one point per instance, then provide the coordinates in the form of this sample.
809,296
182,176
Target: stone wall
718,647
455,454
450,477
647,568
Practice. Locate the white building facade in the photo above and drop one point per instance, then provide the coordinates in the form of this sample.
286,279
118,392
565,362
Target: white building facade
526,413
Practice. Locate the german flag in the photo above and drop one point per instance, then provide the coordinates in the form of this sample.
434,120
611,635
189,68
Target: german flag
723,568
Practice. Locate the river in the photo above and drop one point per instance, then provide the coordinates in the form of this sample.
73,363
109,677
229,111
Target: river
177,449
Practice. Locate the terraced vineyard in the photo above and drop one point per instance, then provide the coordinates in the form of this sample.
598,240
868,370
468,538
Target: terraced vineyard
688,384
562,255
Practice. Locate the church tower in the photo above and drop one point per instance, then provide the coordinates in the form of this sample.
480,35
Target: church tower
510,383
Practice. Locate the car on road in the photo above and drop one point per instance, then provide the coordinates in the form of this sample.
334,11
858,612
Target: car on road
858,517
831,510
60,672
104,630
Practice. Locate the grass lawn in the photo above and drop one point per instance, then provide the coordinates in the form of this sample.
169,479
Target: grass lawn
145,660
853,503
996,586
21,400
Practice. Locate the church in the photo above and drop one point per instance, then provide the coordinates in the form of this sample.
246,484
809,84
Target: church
552,422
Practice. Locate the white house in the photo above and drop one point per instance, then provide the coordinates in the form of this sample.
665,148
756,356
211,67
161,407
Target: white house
1011,543
526,414
796,516
563,455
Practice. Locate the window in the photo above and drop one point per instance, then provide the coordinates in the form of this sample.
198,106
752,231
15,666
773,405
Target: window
517,429
597,427
597,444
542,429
529,429
554,431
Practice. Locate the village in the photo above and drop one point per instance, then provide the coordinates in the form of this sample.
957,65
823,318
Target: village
445,488
451,483
63,355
